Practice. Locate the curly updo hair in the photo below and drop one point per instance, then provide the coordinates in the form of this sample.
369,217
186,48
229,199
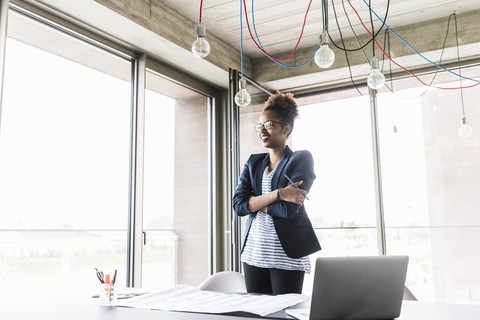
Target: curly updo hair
285,106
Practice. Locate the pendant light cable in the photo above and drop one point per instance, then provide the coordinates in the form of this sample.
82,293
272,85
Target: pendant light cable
355,34
478,81
373,29
368,42
436,71
260,46
241,38
459,64
405,69
385,45
325,15
343,44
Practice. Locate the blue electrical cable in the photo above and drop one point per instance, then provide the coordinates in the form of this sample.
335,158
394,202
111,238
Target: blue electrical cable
258,40
414,48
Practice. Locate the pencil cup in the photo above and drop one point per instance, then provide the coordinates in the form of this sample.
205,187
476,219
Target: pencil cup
108,294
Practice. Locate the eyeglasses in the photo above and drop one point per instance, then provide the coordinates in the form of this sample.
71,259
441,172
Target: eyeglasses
267,125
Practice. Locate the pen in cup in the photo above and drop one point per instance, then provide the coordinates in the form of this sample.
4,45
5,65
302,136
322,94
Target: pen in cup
100,276
293,184
108,293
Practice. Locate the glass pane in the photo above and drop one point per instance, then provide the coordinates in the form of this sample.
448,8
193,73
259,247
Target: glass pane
431,182
176,182
338,134
64,163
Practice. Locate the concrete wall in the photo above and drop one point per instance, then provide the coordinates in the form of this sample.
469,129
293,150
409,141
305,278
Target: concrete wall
453,183
191,215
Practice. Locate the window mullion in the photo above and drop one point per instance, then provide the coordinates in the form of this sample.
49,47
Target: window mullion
3,41
135,227
382,248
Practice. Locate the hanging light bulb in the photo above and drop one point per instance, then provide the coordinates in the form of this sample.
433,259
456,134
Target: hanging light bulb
324,57
375,79
465,130
242,98
201,48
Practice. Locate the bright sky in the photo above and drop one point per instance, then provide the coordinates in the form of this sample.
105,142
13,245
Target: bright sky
64,155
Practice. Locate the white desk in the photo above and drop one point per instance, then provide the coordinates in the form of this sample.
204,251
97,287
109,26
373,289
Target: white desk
89,309
438,311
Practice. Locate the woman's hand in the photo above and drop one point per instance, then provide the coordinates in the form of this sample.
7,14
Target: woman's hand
289,194
292,194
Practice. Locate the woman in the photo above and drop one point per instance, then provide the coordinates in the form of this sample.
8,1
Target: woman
279,235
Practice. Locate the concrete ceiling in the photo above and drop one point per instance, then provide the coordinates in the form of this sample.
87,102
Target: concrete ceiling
279,22
165,30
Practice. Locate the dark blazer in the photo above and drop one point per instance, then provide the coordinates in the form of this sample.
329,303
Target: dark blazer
292,224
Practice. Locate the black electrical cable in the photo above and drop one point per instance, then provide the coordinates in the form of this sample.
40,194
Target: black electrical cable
436,72
368,42
459,65
387,34
346,53
386,44
353,30
373,28
391,74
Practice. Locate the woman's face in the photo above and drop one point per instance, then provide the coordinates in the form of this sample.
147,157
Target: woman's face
271,130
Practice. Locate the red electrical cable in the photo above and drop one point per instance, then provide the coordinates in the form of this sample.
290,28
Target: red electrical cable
301,34
444,88
201,4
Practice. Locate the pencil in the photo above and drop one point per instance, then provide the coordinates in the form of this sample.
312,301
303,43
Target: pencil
293,184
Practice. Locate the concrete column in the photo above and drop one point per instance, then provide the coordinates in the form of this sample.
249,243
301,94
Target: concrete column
191,217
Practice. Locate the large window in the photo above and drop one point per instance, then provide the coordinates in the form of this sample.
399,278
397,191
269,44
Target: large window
431,188
66,168
342,206
64,162
429,178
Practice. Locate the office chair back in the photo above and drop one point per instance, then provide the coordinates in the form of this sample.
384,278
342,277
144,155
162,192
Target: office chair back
225,281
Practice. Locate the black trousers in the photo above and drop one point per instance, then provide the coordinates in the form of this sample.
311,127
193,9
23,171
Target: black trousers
272,281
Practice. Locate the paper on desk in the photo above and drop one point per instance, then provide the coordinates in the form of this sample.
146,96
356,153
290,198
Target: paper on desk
190,299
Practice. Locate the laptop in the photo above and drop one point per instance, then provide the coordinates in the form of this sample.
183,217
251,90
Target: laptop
356,288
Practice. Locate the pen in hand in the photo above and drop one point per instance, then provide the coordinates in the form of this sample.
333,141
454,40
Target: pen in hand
293,184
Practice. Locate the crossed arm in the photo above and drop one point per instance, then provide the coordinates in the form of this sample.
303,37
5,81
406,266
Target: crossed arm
289,194
300,169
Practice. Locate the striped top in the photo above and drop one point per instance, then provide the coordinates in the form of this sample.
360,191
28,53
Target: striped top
263,248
